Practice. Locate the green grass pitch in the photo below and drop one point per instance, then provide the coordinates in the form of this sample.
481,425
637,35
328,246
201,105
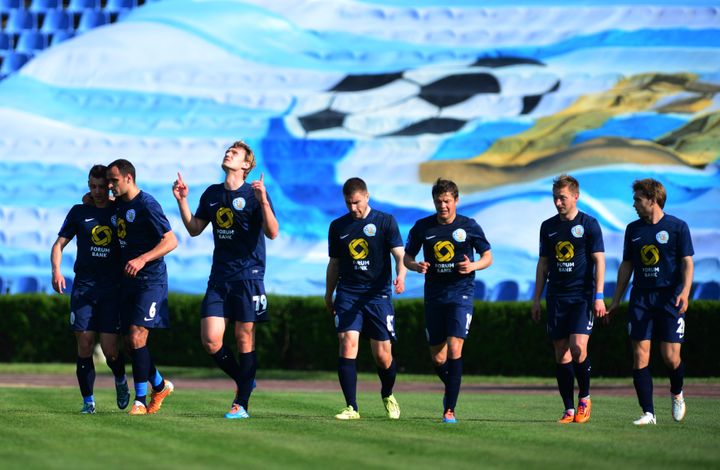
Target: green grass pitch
42,428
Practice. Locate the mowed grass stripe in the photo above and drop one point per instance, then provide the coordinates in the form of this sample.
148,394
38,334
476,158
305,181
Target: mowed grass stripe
42,428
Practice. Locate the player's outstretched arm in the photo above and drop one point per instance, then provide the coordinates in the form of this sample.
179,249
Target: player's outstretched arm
599,303
332,275
398,254
541,273
271,227
58,281
167,243
194,225
687,269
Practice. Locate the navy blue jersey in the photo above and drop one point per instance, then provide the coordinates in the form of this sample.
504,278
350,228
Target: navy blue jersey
97,262
363,249
443,247
140,225
656,251
569,245
237,219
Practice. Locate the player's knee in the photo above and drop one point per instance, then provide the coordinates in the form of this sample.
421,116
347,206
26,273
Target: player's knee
577,353
211,345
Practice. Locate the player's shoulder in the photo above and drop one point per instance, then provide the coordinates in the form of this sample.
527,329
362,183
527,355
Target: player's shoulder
425,222
674,221
586,219
214,189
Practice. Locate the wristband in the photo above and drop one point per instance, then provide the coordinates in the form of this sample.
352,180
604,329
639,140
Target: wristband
599,296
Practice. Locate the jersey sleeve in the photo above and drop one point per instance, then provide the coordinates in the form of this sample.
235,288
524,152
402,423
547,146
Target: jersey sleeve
479,240
334,250
157,219
70,225
685,246
392,233
627,246
201,212
414,241
544,248
596,244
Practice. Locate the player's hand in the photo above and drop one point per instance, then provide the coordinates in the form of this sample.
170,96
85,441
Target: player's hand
423,267
399,285
465,266
134,266
329,304
610,313
58,283
681,301
599,308
536,311
180,189
87,199
258,187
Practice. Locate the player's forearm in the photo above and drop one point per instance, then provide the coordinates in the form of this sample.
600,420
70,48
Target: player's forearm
56,257
599,272
541,273
332,275
485,261
623,279
167,244
687,270
192,224
271,227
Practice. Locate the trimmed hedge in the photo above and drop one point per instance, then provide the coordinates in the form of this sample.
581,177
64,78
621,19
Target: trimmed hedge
503,339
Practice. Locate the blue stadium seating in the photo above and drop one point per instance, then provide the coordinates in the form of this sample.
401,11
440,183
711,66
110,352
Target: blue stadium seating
24,285
31,42
60,36
56,20
12,63
707,291
116,6
90,19
480,291
20,20
78,6
69,284
42,6
7,5
5,43
505,291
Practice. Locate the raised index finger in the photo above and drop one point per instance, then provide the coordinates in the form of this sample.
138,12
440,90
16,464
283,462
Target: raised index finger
180,180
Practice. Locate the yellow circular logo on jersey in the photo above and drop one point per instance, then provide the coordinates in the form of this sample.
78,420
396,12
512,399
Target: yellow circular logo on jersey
564,251
101,235
358,248
444,251
649,255
224,217
121,228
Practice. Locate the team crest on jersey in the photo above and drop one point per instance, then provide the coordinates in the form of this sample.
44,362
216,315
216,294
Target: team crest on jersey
130,215
578,231
662,237
459,235
239,203
370,230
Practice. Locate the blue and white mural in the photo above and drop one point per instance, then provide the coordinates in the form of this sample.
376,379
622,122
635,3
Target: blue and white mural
498,98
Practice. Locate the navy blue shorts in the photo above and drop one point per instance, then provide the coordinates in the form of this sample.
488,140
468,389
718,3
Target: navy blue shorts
243,301
569,316
652,315
443,320
144,305
373,318
94,309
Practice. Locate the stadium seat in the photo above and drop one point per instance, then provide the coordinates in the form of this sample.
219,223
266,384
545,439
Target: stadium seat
90,19
7,5
505,291
31,42
116,6
5,43
43,6
60,36
68,284
707,291
56,20
12,62
24,285
480,291
20,20
78,6
610,287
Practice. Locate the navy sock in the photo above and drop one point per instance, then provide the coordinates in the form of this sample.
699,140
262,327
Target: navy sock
247,364
140,367
566,383
387,379
225,360
452,386
118,368
644,389
442,371
154,376
677,377
85,371
582,375
347,374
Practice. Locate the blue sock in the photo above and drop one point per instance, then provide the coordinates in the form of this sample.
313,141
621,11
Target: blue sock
387,379
85,372
347,374
677,378
118,368
452,386
226,362
582,375
566,383
140,367
442,371
156,379
89,399
247,363
644,389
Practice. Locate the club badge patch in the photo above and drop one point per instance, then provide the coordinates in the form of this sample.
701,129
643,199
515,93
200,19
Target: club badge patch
578,231
239,203
370,230
130,215
662,237
459,235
